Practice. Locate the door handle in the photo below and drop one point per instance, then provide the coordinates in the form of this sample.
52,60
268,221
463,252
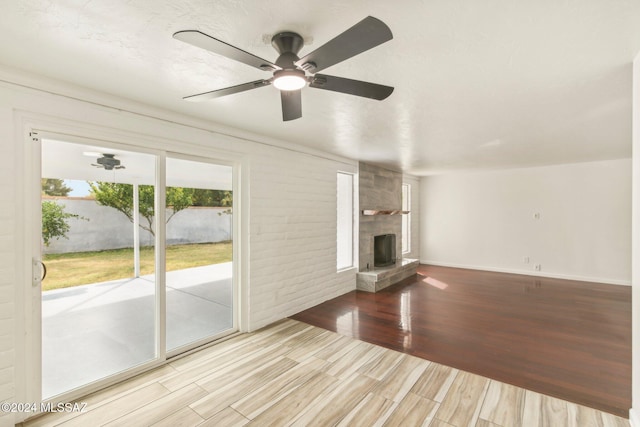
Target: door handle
44,271
38,271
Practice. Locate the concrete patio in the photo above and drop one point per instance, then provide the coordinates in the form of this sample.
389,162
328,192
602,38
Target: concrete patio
96,330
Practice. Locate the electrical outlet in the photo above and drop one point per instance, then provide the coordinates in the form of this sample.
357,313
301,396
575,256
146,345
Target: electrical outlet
525,260
537,267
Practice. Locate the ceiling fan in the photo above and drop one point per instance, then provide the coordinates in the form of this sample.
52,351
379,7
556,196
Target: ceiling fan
108,162
291,73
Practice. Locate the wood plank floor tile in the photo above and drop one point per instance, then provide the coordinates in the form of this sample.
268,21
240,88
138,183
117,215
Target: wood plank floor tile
439,423
413,410
336,349
368,411
434,383
119,407
337,403
217,399
320,342
401,378
160,408
185,417
226,418
221,377
286,329
307,335
353,360
206,354
380,366
106,395
271,393
289,409
461,406
222,361
541,410
503,404
610,420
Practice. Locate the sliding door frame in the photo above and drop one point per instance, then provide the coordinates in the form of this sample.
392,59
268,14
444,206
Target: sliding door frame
234,255
34,127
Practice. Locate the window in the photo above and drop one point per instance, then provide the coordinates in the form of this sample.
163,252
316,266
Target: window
345,221
406,218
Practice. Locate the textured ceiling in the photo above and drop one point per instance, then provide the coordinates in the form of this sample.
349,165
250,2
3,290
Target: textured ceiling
478,84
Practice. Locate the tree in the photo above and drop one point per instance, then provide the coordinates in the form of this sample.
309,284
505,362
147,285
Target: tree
54,221
217,198
120,197
54,187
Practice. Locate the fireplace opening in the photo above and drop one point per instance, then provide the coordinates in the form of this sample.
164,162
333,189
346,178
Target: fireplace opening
384,250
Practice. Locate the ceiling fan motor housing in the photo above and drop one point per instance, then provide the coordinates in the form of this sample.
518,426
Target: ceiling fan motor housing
287,42
108,161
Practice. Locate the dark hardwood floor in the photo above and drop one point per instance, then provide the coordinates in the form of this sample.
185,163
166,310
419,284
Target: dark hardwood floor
563,338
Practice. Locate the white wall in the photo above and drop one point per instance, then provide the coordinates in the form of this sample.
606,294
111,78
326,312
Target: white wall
289,203
634,414
485,220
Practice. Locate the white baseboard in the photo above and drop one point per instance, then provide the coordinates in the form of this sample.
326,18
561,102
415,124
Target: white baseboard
531,273
634,418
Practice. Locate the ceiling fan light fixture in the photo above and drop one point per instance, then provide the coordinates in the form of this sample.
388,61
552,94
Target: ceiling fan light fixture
289,79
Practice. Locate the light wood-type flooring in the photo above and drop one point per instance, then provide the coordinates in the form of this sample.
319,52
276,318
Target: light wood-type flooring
291,373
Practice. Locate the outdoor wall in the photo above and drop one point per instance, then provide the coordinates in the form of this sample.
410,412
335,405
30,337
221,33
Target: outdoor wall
287,209
106,228
487,220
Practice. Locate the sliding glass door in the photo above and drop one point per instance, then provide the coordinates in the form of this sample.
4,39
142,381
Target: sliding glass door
199,251
98,298
138,268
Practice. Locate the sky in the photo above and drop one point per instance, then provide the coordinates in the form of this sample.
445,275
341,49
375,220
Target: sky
79,188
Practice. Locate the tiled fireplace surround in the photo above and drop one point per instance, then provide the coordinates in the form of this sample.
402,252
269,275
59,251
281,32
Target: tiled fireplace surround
380,189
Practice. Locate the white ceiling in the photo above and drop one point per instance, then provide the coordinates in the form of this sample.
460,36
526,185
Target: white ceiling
478,84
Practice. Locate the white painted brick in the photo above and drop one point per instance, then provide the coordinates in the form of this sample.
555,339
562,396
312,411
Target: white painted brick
7,358
293,249
7,257
6,420
6,312
6,292
6,384
6,341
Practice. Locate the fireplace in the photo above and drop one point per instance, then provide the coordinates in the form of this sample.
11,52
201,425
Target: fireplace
384,250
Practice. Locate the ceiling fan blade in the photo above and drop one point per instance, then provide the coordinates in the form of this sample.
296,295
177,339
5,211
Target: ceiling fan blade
227,91
366,34
351,87
291,104
204,41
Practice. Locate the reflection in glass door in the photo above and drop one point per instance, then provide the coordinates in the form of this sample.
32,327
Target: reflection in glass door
199,261
99,294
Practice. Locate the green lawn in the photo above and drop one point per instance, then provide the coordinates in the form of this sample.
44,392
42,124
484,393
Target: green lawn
81,268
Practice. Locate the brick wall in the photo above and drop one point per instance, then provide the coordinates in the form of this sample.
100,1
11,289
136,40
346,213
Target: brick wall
8,262
293,235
